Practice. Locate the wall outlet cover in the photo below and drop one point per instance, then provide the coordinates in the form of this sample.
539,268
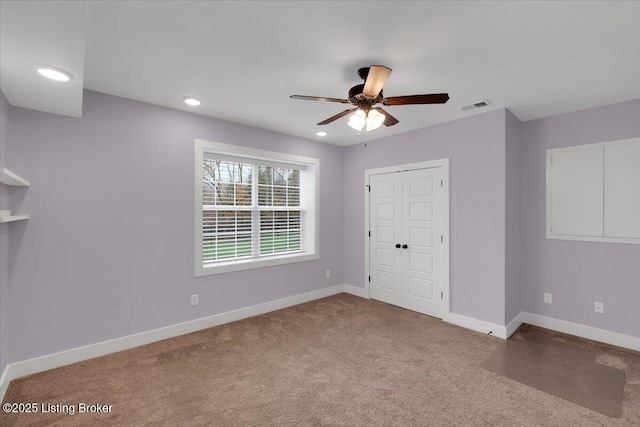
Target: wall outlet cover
548,298
599,307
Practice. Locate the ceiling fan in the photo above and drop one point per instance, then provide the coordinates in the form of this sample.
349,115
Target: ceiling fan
365,96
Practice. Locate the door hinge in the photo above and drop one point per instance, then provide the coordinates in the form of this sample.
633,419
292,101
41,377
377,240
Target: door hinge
441,295
441,183
551,229
369,278
369,233
441,239
551,159
369,188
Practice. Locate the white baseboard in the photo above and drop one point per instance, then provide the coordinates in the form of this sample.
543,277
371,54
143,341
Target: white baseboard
4,382
55,360
476,325
583,331
456,319
514,324
354,290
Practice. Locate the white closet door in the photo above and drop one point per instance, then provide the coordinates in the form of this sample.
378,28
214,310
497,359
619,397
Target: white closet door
386,232
405,248
421,226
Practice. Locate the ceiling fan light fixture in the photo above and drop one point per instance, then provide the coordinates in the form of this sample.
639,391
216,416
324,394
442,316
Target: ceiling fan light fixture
374,120
358,120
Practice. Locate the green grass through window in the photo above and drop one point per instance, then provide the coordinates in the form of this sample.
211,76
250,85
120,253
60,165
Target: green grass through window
269,243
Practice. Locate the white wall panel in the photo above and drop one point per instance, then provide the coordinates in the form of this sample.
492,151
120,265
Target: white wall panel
577,192
593,192
622,190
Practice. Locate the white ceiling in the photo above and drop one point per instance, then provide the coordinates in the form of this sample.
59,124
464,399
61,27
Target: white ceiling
244,59
33,34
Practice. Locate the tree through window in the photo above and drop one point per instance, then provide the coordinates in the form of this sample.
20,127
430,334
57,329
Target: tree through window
254,208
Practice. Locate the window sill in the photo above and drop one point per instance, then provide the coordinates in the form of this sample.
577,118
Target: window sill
247,264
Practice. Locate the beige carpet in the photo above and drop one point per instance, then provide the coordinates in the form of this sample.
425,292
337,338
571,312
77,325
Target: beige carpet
341,360
564,370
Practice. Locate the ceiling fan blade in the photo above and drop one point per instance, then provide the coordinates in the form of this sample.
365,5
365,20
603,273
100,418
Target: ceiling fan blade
434,98
378,75
336,117
389,119
319,98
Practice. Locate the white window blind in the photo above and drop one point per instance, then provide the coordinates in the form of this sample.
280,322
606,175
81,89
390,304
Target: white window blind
251,208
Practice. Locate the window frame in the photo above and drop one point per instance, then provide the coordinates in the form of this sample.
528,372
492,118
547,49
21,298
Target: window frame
310,208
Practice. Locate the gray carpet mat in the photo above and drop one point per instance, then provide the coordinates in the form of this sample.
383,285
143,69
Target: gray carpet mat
563,370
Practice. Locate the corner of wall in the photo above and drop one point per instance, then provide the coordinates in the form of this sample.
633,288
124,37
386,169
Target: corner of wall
513,274
4,237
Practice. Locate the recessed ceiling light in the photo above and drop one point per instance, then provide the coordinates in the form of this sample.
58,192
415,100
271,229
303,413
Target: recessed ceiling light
322,133
190,100
55,73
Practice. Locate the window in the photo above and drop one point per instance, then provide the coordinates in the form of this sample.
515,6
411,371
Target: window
254,208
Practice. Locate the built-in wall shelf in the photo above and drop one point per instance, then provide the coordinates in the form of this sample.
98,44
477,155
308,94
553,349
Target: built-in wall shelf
13,218
9,178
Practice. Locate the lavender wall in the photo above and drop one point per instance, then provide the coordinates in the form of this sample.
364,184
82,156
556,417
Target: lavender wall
4,238
109,248
577,273
513,228
476,149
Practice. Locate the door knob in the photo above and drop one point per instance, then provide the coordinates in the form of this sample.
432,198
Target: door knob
404,246
398,245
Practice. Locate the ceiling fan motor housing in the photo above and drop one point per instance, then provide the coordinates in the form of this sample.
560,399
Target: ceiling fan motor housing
364,72
358,98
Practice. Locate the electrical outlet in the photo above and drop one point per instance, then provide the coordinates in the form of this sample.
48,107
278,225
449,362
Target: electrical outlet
547,298
194,299
328,273
599,307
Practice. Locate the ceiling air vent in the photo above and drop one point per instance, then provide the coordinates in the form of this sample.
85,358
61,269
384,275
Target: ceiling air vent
475,105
